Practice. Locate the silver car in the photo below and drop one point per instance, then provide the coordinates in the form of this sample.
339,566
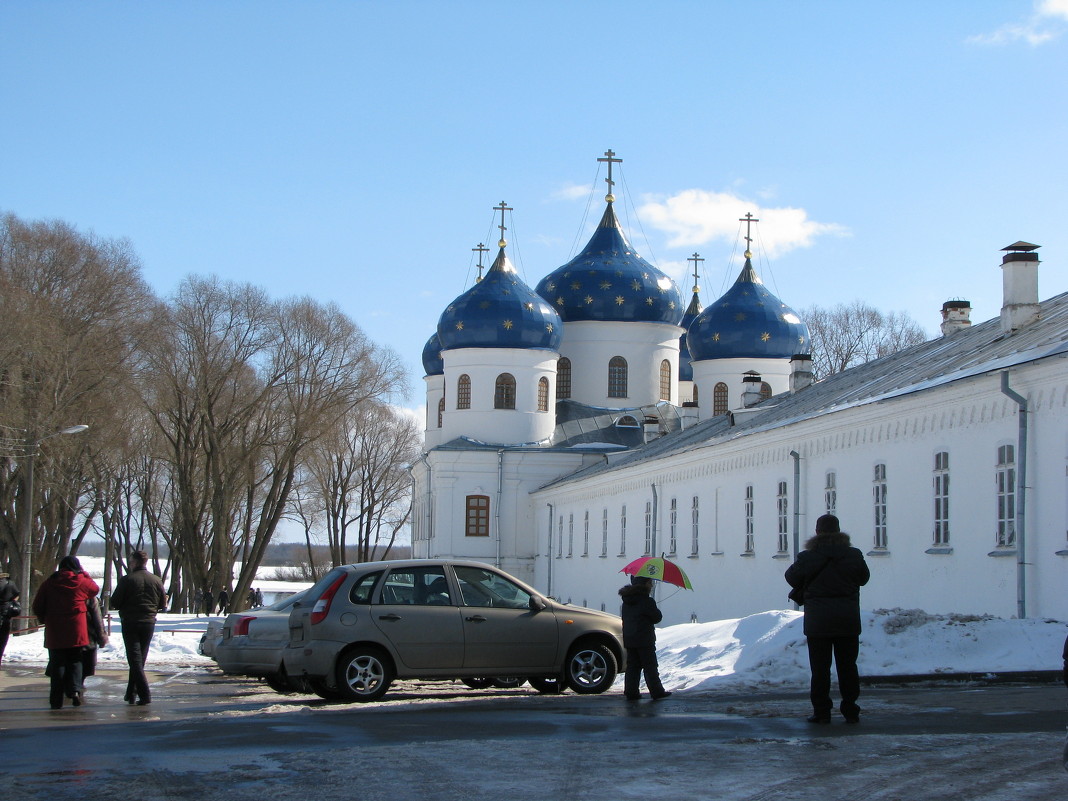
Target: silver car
362,626
252,642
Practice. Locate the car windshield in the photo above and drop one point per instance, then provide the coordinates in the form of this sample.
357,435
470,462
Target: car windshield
285,603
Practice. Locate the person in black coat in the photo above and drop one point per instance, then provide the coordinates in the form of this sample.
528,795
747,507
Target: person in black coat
138,596
640,615
828,574
9,608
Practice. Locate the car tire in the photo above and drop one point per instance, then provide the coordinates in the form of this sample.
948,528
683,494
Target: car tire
363,674
547,685
279,682
590,668
318,686
477,682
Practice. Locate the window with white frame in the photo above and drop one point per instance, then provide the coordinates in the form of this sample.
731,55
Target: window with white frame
560,537
749,543
623,530
830,493
570,535
586,533
941,498
604,532
648,528
1005,482
782,509
879,505
695,527
673,526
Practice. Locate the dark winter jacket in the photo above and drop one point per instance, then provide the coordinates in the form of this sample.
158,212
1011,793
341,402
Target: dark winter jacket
831,574
1065,657
8,593
640,615
60,605
138,596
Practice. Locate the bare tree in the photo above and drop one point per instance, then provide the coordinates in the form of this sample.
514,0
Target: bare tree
844,336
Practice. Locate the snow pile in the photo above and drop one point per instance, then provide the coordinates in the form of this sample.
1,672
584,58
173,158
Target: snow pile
762,650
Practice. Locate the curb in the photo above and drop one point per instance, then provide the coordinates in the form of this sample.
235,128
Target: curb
990,677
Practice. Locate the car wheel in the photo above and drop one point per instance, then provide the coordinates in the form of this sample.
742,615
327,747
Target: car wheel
590,669
508,682
549,685
478,682
318,686
363,674
279,682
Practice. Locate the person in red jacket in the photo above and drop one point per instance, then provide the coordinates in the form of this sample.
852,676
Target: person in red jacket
60,606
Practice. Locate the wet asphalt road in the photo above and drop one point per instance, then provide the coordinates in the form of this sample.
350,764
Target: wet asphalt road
207,735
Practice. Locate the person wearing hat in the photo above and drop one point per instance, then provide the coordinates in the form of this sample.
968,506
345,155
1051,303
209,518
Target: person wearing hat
640,615
827,578
9,594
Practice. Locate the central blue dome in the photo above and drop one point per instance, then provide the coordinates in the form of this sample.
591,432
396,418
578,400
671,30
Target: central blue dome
500,311
608,281
747,322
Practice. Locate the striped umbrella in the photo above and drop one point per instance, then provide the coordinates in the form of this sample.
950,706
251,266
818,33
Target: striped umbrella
659,569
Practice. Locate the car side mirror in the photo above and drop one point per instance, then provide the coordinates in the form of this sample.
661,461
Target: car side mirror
536,604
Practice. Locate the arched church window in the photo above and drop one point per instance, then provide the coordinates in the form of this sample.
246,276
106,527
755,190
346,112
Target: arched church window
463,392
504,392
665,380
617,377
719,399
441,410
563,378
695,395
765,390
543,394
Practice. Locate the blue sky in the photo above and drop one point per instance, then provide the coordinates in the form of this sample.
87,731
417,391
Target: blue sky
353,151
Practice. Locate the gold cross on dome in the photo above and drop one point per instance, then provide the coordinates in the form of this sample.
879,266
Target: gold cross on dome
480,250
695,259
609,157
502,207
748,219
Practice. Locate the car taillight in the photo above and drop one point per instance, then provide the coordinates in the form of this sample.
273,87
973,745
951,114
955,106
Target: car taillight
241,626
322,606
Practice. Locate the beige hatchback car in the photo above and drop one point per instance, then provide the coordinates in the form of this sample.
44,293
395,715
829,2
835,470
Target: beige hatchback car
362,626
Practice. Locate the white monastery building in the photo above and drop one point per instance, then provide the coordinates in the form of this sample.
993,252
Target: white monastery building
574,427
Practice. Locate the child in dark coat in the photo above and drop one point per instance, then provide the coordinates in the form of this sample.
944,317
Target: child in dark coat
640,615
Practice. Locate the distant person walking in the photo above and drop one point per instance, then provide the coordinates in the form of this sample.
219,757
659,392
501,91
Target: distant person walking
60,604
138,597
208,599
640,615
9,608
827,578
224,599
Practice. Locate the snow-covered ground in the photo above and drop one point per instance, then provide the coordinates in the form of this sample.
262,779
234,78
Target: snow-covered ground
766,649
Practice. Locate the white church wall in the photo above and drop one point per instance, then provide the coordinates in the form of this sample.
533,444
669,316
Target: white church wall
591,346
435,391
709,372
969,420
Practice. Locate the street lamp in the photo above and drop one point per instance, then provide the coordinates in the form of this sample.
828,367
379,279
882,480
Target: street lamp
31,444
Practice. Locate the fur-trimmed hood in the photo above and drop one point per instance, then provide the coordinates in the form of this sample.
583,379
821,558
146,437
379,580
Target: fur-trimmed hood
828,538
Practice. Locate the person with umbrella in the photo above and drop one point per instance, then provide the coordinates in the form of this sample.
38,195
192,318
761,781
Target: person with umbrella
640,615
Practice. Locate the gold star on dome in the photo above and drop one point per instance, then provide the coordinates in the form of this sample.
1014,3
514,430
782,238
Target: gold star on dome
507,325
559,301
671,304
484,304
451,309
567,274
588,299
606,284
800,340
459,325
636,285
551,286
648,301
549,327
715,337
619,300
739,316
505,291
765,337
645,276
575,285
619,273
528,306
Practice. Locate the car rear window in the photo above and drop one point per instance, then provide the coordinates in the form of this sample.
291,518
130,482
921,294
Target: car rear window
363,588
322,584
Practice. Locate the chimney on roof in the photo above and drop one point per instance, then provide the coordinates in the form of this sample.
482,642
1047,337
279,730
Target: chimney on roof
1019,274
956,316
800,371
751,382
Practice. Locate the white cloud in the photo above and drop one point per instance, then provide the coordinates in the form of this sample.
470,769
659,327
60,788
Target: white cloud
1042,27
571,192
696,217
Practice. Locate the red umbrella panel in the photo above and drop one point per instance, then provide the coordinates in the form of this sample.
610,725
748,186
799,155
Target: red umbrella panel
659,569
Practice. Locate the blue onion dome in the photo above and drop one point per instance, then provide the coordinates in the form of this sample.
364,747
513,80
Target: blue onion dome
500,311
608,281
694,309
748,321
432,361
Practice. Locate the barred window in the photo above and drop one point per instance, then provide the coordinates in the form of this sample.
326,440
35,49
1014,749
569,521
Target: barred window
563,378
1005,478
559,536
830,493
879,505
941,498
504,392
648,528
720,403
586,534
604,532
463,392
782,510
617,377
665,380
623,530
695,525
441,410
673,526
570,535
477,523
543,394
749,539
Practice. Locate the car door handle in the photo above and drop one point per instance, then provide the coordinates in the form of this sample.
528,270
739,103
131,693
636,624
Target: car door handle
390,616
475,619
